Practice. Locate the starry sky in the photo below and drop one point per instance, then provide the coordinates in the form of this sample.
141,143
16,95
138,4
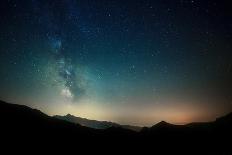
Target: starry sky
132,62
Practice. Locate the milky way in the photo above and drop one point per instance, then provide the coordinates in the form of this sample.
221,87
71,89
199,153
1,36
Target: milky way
73,88
67,70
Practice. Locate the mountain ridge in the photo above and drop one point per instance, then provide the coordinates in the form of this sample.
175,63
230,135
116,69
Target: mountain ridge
95,123
22,125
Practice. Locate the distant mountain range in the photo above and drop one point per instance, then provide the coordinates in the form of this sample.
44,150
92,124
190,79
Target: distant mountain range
94,123
24,126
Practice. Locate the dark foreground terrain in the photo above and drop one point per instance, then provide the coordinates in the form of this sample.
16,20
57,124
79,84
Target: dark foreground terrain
24,127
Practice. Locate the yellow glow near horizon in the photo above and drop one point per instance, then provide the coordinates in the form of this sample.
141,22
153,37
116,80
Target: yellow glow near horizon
136,115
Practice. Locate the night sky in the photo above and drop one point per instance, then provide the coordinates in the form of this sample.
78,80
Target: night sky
132,62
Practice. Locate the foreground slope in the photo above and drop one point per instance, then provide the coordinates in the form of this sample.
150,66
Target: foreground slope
25,126
22,122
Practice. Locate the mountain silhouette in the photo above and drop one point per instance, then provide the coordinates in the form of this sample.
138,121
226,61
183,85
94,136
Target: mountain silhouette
94,123
20,123
24,126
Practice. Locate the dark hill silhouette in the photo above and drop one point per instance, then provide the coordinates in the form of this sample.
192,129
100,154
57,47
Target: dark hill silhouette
24,126
22,119
94,123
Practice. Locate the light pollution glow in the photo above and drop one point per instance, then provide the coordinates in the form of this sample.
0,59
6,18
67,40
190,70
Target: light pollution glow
177,113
